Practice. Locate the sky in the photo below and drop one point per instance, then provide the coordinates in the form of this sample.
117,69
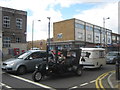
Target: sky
91,11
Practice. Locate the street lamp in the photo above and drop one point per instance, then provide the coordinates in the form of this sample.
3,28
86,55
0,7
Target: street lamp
33,31
48,33
105,43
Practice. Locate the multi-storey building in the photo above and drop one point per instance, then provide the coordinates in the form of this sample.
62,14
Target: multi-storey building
13,25
77,33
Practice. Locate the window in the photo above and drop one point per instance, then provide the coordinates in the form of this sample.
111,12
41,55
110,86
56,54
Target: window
101,54
97,30
19,23
114,38
43,55
80,35
37,55
80,26
89,28
18,40
89,37
97,38
6,42
6,22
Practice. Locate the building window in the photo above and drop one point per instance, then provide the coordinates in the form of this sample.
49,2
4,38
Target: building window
79,26
18,40
6,42
97,38
89,37
89,28
97,30
19,23
6,22
80,35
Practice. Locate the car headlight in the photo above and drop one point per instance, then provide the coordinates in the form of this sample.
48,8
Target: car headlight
47,67
36,66
11,64
111,58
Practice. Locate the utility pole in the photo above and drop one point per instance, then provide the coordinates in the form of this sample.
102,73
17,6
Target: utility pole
105,32
48,33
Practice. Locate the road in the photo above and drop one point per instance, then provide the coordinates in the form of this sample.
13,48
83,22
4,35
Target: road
69,81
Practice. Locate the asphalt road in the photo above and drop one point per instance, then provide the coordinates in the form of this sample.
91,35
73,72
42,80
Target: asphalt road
68,81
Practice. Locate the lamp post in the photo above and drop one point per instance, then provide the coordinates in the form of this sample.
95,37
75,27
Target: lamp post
33,32
48,34
105,42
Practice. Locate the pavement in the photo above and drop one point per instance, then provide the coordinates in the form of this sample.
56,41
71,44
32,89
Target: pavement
111,82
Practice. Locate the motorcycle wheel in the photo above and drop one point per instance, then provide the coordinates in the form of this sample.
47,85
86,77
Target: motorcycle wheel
37,76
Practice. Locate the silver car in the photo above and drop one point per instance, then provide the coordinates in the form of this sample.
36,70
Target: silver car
110,57
25,62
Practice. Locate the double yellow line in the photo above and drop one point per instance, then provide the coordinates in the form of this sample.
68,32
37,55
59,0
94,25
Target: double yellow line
98,82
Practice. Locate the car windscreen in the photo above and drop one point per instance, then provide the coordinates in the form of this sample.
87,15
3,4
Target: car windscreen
112,54
24,55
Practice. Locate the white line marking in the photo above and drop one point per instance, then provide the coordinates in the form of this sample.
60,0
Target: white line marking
73,87
84,84
109,81
3,72
35,83
92,81
5,85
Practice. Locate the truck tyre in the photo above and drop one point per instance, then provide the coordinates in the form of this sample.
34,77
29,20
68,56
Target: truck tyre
79,71
37,76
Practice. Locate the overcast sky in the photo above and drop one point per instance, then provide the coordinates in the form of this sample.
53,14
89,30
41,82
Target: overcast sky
91,11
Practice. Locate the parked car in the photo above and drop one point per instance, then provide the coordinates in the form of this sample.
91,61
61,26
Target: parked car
110,57
25,62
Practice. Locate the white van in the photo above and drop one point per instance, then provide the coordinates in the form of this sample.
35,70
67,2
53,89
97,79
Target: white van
92,57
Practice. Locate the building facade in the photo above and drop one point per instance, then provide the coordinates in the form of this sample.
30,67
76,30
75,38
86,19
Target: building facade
13,25
77,33
41,44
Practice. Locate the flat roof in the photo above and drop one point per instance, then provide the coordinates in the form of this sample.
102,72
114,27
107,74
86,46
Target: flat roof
92,49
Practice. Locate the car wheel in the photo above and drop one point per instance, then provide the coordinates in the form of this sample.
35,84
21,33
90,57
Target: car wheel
37,76
21,70
79,71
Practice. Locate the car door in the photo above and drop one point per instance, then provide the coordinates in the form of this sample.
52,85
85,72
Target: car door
33,59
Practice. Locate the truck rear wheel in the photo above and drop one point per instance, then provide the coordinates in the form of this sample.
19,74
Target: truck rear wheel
37,76
79,71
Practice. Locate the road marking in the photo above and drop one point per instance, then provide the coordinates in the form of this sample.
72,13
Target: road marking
92,81
84,84
73,87
32,82
3,72
98,82
5,85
